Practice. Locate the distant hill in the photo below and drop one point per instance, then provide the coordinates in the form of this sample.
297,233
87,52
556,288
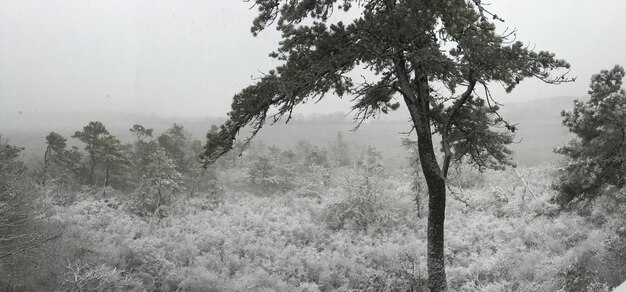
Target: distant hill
539,124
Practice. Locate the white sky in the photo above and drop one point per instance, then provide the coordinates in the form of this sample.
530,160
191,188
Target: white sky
189,57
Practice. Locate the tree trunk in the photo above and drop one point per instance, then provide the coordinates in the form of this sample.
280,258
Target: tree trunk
418,201
416,95
46,163
106,178
435,234
92,168
436,212
158,204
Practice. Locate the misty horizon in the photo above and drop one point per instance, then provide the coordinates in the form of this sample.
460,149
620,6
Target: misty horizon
190,58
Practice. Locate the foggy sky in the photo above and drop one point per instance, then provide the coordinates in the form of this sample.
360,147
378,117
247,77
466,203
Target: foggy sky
189,57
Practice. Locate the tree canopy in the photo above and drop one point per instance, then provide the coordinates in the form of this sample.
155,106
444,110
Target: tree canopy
140,132
452,43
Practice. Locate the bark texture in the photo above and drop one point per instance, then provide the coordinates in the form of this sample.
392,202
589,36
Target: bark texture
417,96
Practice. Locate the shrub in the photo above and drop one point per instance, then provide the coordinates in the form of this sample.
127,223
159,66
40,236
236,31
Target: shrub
85,277
269,175
23,230
362,202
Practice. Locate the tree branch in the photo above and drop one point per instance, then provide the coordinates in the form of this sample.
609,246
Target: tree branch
448,123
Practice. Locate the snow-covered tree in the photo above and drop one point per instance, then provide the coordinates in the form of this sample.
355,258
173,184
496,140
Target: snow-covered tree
54,155
93,136
116,158
597,156
161,182
410,48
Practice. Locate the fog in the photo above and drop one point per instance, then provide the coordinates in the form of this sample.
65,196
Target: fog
112,177
188,58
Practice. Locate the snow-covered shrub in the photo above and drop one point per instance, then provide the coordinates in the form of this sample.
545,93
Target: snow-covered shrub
85,277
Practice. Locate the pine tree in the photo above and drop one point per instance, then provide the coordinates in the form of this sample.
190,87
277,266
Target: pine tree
161,182
55,150
597,156
142,148
93,135
116,159
411,47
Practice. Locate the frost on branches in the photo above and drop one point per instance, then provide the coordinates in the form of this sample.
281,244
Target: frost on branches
598,153
161,181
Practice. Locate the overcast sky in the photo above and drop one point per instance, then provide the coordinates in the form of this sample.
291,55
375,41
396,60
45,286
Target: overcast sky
189,57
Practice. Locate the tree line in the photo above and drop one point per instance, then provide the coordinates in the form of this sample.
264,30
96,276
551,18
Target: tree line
151,165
